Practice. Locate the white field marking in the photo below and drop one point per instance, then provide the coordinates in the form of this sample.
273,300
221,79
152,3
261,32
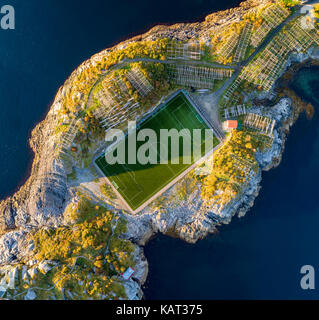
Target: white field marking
181,127
115,178
158,150
177,120
119,182
202,123
174,173
161,187
167,165
194,114
171,182
124,188
109,182
168,184
132,175
126,198
163,109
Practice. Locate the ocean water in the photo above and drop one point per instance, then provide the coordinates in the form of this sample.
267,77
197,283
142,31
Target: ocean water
51,39
258,256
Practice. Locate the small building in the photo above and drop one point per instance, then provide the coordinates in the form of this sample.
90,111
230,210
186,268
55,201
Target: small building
128,273
230,125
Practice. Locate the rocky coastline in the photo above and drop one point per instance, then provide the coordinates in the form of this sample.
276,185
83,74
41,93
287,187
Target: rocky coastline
42,200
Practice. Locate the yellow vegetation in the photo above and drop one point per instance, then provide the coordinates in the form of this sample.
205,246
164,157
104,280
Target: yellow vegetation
232,164
79,250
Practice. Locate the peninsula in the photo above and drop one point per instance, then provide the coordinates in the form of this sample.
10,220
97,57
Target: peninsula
76,229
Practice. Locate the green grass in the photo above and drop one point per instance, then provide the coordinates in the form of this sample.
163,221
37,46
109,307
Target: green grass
137,183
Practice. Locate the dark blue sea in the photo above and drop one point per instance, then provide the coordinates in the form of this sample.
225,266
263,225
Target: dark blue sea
258,256
51,39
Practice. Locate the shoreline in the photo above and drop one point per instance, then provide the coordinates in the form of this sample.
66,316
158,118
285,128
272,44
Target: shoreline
188,221
232,236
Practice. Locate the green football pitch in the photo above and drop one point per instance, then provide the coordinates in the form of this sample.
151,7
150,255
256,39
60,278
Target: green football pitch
137,183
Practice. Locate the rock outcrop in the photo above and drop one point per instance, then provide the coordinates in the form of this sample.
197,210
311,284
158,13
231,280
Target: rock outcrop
42,200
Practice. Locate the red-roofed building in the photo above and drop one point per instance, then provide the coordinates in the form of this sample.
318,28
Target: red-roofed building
230,125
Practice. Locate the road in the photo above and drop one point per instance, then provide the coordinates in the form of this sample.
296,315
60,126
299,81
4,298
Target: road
210,103
268,38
